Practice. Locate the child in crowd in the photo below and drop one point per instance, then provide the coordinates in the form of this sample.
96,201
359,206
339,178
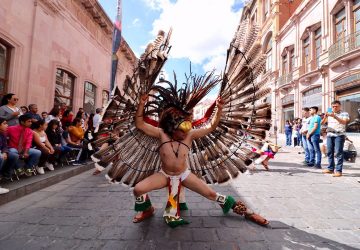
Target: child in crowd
267,152
7,159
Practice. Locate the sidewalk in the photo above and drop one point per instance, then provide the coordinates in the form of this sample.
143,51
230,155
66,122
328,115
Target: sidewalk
27,185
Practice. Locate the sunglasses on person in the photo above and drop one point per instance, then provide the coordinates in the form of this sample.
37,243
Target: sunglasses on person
16,99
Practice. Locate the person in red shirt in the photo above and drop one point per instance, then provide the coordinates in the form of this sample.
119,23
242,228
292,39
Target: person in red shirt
20,140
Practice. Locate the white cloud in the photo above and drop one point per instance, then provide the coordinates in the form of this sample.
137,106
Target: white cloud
202,29
136,22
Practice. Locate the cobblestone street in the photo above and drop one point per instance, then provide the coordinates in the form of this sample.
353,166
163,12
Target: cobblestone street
307,210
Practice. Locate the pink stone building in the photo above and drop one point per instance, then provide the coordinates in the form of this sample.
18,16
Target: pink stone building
313,55
58,51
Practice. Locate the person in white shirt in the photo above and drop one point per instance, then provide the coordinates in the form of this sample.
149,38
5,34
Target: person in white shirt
303,132
97,118
336,120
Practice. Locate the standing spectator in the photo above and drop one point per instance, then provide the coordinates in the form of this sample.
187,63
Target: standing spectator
336,120
298,134
294,133
97,118
288,132
7,159
20,139
91,122
82,117
42,143
44,115
303,131
313,138
24,109
8,109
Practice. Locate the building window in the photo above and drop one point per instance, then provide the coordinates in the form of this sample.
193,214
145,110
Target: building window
306,54
292,61
351,104
317,46
89,97
268,53
105,98
5,53
64,88
340,25
356,11
312,98
284,64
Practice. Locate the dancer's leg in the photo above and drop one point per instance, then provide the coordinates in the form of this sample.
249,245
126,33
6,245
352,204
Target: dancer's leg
142,203
193,183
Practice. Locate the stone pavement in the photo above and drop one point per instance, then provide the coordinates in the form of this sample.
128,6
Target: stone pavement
307,210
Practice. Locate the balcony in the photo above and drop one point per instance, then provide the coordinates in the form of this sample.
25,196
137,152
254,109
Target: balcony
344,46
285,79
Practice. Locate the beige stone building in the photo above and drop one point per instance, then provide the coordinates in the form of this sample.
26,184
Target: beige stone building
58,51
313,50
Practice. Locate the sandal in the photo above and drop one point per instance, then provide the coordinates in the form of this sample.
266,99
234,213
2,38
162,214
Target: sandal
144,215
257,219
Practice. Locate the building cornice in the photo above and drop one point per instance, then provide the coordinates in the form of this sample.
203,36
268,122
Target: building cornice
295,17
55,6
98,14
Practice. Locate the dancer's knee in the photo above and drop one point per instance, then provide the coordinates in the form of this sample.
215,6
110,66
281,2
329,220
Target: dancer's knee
211,195
138,191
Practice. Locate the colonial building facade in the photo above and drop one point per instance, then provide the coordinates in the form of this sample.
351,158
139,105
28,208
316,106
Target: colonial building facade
54,51
313,50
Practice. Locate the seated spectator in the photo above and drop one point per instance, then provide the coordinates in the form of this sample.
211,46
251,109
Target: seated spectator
67,117
42,143
81,115
54,136
76,132
33,109
54,114
44,115
20,139
63,108
24,109
349,150
8,109
66,139
7,159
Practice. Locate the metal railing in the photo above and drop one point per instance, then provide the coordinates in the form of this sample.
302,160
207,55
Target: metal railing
344,45
284,79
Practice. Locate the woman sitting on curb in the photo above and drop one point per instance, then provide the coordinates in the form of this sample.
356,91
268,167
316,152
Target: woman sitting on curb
42,143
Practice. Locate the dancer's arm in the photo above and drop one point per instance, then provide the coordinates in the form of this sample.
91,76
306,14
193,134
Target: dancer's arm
198,133
141,124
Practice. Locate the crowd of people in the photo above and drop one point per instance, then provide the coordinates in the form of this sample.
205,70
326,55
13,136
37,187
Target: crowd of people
322,136
31,143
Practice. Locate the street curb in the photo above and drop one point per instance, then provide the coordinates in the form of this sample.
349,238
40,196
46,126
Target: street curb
40,183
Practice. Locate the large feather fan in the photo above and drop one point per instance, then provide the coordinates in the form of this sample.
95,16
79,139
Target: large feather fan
215,158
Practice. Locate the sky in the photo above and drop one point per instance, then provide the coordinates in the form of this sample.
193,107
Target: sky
202,30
